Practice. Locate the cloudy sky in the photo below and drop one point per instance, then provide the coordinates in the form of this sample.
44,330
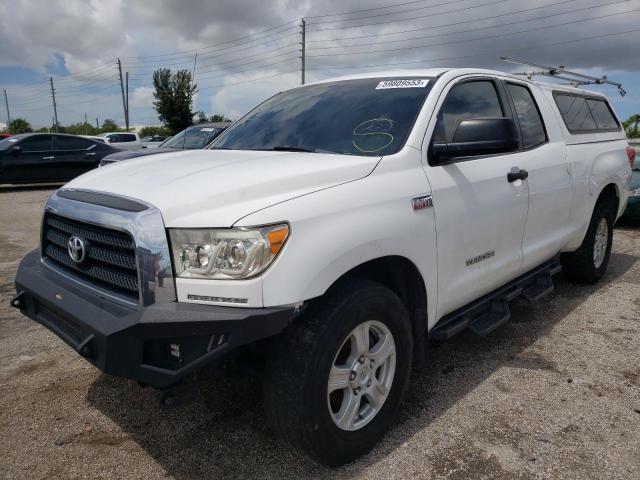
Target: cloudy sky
248,50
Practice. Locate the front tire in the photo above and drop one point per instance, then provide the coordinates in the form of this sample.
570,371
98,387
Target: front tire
589,263
336,379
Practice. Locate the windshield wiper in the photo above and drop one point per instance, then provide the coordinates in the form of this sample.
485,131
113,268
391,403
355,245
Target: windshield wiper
293,148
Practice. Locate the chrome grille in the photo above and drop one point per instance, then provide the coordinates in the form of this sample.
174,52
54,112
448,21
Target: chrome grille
110,254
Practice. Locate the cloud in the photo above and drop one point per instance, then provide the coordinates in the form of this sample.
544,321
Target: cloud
141,97
235,71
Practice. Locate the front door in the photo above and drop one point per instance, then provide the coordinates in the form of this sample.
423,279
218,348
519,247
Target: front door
33,163
480,215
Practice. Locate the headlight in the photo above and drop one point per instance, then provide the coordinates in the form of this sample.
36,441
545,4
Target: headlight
229,253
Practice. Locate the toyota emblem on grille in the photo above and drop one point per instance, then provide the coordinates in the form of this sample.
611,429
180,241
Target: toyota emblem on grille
76,249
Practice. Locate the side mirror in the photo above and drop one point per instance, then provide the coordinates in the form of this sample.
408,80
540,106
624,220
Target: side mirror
16,151
478,136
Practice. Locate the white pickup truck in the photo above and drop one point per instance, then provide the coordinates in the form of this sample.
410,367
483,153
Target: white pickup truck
338,227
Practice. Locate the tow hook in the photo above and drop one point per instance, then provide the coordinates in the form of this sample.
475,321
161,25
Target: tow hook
17,302
180,394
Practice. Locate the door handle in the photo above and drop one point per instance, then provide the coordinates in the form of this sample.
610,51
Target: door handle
89,155
48,158
517,174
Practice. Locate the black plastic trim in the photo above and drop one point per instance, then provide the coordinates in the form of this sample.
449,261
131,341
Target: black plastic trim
492,310
104,200
113,337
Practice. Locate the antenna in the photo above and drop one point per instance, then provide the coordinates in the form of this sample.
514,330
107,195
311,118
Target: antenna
574,78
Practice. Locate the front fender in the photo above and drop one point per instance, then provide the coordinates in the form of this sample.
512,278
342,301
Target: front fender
340,228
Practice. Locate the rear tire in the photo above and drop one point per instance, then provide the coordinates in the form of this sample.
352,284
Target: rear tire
326,396
589,263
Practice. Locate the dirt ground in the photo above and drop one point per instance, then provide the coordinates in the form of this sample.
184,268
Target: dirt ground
555,393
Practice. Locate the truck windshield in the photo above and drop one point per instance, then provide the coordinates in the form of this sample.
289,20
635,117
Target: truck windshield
370,116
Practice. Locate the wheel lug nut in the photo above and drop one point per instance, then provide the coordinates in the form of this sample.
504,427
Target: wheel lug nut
357,391
361,359
369,383
352,376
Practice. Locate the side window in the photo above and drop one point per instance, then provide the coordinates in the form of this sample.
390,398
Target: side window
475,99
575,113
72,143
602,114
37,143
531,125
126,137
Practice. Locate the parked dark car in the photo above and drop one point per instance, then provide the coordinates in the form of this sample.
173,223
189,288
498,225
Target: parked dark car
48,158
194,137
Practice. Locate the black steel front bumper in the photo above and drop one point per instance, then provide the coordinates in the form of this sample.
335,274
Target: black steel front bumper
139,343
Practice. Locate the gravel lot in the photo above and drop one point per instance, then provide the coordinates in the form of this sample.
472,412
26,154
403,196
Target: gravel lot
555,393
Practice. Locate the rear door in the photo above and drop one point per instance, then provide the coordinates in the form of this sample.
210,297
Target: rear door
33,163
550,180
73,156
480,215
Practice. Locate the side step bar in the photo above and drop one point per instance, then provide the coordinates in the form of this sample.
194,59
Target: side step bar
487,313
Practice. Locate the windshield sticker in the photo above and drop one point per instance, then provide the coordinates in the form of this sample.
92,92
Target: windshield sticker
12,140
409,83
207,129
373,135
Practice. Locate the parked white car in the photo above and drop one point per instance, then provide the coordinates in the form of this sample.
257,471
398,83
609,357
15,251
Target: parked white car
337,228
123,140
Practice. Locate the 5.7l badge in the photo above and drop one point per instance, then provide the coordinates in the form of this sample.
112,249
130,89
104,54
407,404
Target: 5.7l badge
420,203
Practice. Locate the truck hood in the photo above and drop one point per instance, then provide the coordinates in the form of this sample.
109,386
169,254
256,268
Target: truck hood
216,188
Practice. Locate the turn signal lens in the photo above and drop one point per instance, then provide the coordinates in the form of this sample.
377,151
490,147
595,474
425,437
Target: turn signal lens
277,238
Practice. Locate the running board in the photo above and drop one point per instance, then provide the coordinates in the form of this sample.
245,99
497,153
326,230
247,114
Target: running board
487,313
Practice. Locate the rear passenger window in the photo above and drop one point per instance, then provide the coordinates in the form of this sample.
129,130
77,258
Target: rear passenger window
602,114
531,125
575,113
581,114
476,99
72,143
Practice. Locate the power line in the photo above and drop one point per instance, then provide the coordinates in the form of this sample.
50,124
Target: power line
365,9
224,51
479,54
234,60
388,13
409,19
475,39
199,50
458,23
250,80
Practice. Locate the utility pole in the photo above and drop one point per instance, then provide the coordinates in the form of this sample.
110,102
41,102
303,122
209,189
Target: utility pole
127,97
55,108
124,103
86,125
97,124
193,78
6,103
302,50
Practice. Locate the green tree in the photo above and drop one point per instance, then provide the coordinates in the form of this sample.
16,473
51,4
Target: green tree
219,118
151,131
200,117
109,125
631,125
20,125
173,98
